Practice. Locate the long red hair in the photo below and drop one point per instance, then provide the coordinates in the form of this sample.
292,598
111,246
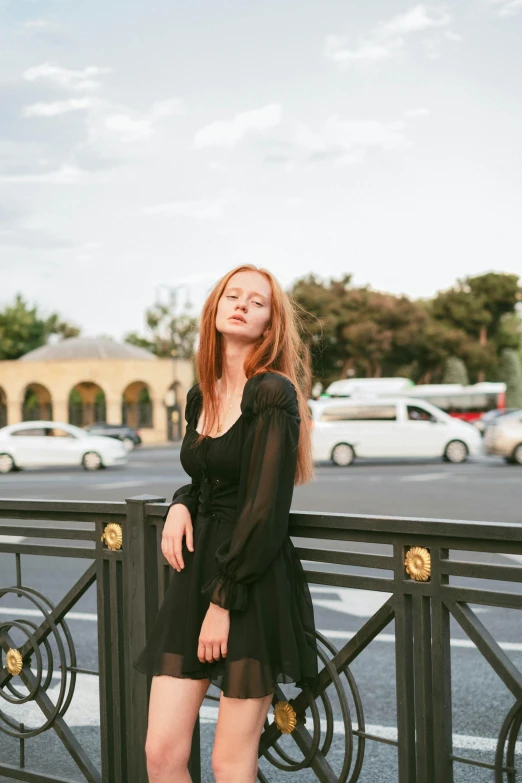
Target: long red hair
281,350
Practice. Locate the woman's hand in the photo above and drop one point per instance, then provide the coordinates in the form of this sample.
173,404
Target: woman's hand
213,637
177,525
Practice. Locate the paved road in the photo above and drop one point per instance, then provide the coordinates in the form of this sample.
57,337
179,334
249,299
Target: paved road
484,489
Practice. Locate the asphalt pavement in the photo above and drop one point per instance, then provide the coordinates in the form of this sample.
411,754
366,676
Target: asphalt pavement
483,489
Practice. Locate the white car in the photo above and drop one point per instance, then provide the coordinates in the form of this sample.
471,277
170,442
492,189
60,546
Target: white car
503,436
343,429
46,443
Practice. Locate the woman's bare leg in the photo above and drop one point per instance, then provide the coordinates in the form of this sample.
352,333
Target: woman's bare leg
239,727
173,708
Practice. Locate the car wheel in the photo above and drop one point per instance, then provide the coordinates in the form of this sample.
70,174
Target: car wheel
7,463
92,461
517,454
342,455
456,452
128,443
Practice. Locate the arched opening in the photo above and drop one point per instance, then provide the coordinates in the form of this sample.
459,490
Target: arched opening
173,409
87,404
3,408
37,404
136,406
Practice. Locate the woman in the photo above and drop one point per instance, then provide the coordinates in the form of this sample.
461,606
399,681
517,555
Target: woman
237,612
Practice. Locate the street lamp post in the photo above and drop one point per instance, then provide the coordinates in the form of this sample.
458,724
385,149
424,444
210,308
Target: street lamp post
171,401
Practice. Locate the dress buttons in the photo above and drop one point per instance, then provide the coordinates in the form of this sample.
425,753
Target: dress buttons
217,481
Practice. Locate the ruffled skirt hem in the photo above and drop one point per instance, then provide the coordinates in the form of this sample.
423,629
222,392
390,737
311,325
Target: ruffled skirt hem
246,678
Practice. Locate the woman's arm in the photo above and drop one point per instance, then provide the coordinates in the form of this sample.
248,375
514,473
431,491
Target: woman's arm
187,495
265,494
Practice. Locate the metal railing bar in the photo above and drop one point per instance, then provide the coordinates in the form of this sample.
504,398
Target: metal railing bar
487,597
375,738
377,583
484,764
319,763
486,644
490,546
30,776
32,506
503,573
58,613
351,650
407,526
76,751
346,558
48,532
50,551
66,516
81,671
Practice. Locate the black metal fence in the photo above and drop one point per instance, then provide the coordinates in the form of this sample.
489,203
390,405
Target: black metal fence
431,569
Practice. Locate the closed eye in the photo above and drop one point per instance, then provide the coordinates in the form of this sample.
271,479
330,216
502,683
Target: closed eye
232,296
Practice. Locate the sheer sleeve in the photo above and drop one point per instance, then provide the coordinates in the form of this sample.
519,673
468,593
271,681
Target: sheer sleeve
187,495
265,493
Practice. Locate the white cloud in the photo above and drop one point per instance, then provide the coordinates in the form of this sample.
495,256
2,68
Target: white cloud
55,108
348,140
420,112
415,20
387,38
452,36
217,165
65,175
66,78
226,133
129,129
40,24
169,107
508,7
130,126
202,209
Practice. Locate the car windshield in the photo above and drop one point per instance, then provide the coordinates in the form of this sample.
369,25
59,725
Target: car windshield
512,415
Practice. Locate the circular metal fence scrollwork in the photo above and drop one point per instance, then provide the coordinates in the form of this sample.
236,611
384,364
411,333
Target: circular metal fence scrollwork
505,756
286,720
15,665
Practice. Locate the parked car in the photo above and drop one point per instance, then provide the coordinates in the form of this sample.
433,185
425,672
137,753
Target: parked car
46,443
128,435
488,417
503,436
388,427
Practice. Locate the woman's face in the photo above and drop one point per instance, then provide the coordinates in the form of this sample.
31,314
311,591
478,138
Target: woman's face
245,307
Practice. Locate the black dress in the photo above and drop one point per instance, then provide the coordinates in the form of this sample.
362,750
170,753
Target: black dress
243,558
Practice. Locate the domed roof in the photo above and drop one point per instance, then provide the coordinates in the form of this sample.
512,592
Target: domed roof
86,348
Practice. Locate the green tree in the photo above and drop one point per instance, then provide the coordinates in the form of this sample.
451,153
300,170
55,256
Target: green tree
23,328
168,334
511,375
455,371
484,308
371,333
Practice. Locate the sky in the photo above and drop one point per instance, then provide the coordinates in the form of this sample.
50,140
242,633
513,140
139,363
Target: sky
148,145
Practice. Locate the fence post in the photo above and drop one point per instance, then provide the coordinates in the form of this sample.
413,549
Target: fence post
140,563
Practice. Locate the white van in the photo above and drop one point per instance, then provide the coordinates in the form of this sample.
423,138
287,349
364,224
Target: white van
343,429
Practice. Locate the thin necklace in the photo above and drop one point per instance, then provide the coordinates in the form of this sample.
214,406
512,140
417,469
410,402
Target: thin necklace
220,426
